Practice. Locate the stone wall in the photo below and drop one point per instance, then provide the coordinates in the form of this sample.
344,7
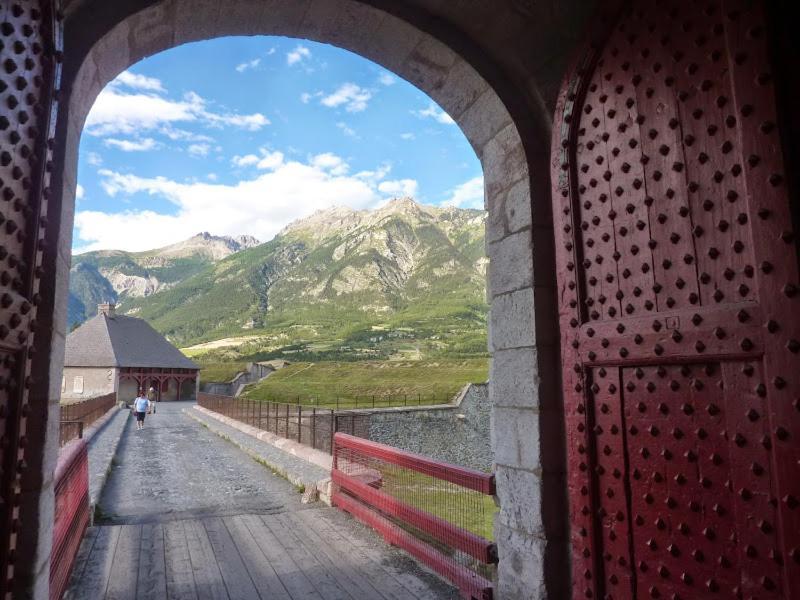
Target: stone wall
97,381
254,372
457,433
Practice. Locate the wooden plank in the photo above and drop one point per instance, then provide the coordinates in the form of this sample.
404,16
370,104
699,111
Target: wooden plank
152,576
125,565
207,577
180,578
293,578
234,573
82,557
353,571
322,579
261,570
94,579
415,587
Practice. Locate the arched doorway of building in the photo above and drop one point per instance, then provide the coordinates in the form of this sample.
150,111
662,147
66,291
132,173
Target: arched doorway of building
495,69
519,341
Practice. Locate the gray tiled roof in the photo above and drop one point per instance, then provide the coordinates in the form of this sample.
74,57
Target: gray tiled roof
120,341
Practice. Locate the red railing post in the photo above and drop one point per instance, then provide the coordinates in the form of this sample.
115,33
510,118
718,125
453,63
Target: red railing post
397,492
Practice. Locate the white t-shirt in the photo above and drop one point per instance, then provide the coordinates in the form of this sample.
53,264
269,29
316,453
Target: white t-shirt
141,404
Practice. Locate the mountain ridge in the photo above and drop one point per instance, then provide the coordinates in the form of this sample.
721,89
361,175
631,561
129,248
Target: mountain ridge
323,285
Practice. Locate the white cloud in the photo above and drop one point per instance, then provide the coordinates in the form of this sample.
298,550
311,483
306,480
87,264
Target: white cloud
138,82
353,97
408,136
260,207
212,177
297,55
399,187
80,192
347,130
267,161
245,161
328,161
94,159
250,64
467,195
386,79
271,51
435,113
115,112
132,145
184,135
198,149
305,97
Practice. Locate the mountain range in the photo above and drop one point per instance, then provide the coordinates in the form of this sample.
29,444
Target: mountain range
403,279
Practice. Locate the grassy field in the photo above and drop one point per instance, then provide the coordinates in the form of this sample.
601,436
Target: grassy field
390,382
220,371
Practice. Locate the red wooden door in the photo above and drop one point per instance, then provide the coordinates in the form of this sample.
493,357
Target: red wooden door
28,71
679,310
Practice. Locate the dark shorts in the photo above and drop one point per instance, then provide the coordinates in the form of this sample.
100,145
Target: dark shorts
140,416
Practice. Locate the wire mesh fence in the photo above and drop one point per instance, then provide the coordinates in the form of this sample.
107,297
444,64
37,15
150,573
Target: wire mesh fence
349,401
77,416
439,512
305,424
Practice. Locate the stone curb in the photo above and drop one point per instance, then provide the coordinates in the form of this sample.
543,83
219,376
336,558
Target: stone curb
108,417
321,487
96,427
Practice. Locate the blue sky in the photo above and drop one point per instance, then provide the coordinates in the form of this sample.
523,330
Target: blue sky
243,135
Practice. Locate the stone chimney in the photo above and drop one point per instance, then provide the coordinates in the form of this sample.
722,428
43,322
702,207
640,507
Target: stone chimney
106,308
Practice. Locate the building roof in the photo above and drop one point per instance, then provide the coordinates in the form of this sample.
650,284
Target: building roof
111,340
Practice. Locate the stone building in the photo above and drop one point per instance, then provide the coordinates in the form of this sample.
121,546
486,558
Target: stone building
117,353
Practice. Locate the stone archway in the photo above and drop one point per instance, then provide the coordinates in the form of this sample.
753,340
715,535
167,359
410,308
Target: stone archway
504,117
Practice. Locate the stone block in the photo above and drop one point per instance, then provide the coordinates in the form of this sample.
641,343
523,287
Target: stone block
510,263
517,206
349,25
85,88
428,64
197,20
112,53
496,228
516,437
514,378
151,31
391,44
520,571
56,366
504,160
519,494
460,89
511,320
482,120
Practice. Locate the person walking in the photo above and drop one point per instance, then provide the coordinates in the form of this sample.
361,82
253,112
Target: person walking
140,407
151,395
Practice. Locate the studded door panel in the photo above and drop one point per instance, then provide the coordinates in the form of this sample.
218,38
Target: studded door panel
28,70
678,286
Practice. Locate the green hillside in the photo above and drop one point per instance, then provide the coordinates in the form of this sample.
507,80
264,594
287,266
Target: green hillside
359,383
404,281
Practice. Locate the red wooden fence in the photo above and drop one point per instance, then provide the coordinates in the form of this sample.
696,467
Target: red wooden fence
433,510
71,512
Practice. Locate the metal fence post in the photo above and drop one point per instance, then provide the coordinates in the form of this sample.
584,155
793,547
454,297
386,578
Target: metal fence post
299,424
313,427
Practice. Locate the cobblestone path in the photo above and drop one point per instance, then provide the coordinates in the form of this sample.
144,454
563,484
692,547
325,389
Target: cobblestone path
185,514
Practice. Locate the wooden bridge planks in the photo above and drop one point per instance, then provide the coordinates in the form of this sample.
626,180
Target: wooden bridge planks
295,556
